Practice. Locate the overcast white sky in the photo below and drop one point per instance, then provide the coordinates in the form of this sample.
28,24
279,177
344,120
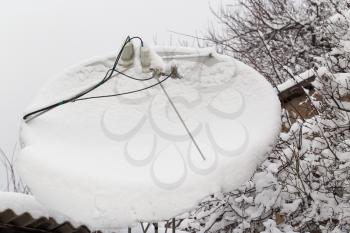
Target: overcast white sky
39,38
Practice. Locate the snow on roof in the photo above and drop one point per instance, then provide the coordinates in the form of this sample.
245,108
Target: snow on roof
22,203
297,79
112,162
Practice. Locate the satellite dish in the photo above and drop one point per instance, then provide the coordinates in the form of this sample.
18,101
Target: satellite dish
204,125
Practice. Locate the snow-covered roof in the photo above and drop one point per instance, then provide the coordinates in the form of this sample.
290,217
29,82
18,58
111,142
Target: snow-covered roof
23,213
296,80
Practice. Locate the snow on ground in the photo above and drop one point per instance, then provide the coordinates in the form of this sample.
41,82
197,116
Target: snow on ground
109,163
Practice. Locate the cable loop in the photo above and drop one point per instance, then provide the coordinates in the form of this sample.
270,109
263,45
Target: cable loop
107,77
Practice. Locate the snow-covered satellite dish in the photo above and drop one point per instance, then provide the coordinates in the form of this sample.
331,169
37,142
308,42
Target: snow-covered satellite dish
111,162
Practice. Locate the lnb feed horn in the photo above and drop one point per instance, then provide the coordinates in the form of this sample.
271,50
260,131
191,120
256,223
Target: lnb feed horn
127,57
145,59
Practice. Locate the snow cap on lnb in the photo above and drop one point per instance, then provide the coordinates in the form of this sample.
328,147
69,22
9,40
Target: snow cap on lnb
157,62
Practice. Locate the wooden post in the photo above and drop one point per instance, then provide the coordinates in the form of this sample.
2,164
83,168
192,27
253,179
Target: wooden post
173,225
155,227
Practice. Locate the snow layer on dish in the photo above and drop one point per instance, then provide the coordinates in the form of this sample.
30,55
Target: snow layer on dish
108,163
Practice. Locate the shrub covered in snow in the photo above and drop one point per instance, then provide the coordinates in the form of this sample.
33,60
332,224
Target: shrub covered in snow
304,185
280,38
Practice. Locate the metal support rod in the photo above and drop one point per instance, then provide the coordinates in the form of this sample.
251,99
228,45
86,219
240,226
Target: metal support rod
182,121
129,229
